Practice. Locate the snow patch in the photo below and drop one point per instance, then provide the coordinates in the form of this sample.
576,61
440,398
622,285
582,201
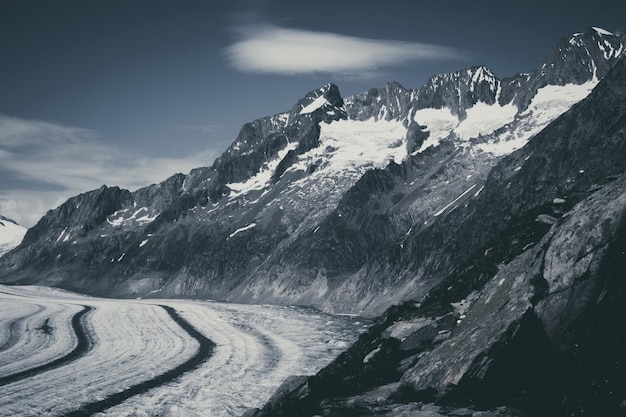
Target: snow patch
314,105
602,31
242,229
140,216
371,355
61,235
262,178
440,212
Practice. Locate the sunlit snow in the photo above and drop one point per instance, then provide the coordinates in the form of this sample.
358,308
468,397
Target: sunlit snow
602,31
483,119
439,122
314,105
140,216
362,143
440,212
550,102
11,235
262,178
242,229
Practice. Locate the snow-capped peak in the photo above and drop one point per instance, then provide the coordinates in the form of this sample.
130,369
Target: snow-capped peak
11,234
324,103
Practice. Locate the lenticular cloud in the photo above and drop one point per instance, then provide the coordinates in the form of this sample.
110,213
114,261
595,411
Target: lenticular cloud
270,49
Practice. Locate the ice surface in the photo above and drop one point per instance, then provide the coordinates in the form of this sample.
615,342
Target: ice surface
257,347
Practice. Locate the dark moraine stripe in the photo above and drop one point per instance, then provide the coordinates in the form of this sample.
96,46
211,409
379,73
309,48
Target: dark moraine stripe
83,346
204,352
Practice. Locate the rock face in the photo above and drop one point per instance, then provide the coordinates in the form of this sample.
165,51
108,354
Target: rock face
529,323
350,205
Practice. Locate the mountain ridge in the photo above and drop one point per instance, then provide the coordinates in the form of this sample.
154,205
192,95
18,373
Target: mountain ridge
530,322
297,207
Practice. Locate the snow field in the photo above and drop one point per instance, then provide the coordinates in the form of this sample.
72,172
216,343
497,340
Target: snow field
362,143
548,104
484,119
11,235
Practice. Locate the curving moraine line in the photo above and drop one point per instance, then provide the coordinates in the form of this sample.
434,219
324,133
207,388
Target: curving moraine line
13,334
83,346
204,352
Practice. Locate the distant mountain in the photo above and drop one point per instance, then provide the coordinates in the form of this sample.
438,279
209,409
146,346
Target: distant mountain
11,234
339,203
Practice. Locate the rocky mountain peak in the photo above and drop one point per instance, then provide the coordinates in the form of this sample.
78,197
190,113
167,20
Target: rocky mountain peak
459,90
582,57
80,213
325,104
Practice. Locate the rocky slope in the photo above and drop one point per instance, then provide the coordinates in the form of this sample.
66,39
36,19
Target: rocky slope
342,204
529,323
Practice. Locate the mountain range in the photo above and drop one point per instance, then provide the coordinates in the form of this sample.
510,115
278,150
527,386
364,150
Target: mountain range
480,218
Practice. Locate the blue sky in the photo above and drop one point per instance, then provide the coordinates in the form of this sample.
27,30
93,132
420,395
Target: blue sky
129,92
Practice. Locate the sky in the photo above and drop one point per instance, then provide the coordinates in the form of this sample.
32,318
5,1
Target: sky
130,92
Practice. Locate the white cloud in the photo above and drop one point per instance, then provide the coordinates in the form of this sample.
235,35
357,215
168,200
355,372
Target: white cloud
43,164
271,49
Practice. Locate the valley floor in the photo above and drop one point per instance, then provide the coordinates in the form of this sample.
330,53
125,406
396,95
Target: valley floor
63,353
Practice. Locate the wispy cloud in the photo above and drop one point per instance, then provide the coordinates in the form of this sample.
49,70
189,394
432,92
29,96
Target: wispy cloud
272,49
207,128
44,163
